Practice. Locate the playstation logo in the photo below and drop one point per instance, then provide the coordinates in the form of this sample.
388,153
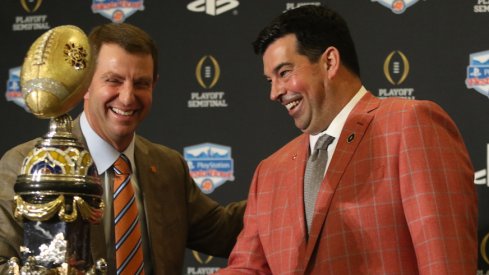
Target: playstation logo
212,7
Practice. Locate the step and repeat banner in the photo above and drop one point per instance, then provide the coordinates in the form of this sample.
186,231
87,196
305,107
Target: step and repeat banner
212,103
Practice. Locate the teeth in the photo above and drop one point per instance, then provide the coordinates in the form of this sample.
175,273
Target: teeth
121,112
292,104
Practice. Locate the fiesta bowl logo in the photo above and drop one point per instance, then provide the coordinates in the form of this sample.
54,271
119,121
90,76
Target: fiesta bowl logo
396,6
31,5
117,10
212,7
14,92
210,165
478,72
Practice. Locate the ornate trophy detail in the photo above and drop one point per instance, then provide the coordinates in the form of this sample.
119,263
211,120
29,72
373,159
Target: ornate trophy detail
58,192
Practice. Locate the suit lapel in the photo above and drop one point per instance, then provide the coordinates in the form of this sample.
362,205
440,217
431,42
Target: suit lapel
351,135
295,206
146,174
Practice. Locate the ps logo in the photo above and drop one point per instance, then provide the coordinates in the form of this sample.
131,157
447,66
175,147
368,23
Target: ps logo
212,7
31,5
207,72
199,259
396,67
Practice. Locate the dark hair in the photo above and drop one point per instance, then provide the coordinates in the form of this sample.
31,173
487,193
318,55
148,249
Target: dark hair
129,37
316,28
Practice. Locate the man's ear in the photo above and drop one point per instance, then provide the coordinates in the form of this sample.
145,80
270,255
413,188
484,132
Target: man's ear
87,94
155,81
330,60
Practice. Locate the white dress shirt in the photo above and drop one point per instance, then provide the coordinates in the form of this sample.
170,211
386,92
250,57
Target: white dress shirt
336,125
104,156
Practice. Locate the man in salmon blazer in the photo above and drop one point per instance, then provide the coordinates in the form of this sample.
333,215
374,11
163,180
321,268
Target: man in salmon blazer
398,195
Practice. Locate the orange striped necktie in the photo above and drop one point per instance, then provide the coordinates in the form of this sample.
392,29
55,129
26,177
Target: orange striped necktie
128,242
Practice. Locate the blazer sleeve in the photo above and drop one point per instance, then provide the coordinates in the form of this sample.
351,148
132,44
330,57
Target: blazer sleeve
248,256
11,232
438,193
213,228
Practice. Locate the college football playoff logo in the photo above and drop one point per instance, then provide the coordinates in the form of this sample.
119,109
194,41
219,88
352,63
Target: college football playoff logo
207,72
396,67
31,5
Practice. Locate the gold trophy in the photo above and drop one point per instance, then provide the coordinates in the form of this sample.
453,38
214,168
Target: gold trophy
58,191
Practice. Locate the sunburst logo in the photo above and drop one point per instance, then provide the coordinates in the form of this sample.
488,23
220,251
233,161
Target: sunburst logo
76,56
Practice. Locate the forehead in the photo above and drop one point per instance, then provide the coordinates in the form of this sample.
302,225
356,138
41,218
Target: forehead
282,53
283,46
114,57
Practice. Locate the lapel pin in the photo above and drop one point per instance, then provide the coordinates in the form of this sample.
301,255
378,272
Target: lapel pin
152,168
350,138
294,156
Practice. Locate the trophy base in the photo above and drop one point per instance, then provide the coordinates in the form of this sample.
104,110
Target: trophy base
31,267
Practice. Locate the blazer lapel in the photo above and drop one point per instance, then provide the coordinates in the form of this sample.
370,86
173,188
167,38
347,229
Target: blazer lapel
148,174
295,205
351,135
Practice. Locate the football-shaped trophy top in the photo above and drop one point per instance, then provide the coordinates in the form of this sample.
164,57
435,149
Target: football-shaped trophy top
56,71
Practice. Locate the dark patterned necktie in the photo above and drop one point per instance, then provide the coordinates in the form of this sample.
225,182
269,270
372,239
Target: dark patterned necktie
129,252
314,175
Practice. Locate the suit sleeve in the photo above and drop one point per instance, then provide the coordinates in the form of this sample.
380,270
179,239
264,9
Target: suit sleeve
438,192
11,233
248,256
213,228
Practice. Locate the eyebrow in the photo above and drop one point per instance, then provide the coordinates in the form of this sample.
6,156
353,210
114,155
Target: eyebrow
110,74
116,75
280,66
144,79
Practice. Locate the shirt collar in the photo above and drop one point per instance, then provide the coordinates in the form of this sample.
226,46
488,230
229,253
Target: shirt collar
338,122
103,154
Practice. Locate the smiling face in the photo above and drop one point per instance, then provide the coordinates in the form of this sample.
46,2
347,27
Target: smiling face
120,94
304,88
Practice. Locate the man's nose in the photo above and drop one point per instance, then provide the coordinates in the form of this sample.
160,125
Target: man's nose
277,89
126,94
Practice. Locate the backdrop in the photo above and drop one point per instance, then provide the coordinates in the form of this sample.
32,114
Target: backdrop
211,102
